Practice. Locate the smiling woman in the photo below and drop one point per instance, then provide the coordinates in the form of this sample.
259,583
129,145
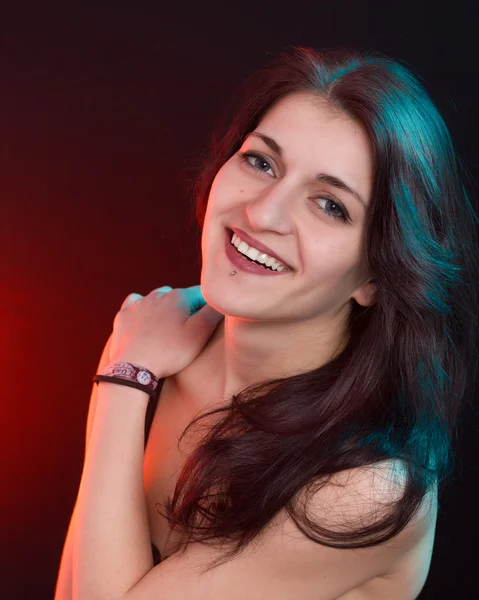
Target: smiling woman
332,389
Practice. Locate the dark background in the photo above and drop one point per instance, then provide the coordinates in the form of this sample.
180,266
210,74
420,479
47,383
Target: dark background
103,109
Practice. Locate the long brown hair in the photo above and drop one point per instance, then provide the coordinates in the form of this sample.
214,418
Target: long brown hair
396,390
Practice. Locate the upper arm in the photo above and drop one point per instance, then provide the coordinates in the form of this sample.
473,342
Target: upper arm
63,586
283,563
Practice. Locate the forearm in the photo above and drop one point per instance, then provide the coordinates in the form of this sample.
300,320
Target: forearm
111,544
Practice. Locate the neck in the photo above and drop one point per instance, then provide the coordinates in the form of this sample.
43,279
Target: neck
241,353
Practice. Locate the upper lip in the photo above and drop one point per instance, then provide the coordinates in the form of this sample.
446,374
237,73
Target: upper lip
251,241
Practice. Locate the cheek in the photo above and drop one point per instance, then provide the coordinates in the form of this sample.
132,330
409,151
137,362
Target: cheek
332,252
333,268
221,191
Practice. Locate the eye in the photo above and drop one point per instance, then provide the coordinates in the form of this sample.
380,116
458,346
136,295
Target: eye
257,158
245,156
343,216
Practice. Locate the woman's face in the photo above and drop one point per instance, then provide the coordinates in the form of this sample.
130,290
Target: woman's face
277,200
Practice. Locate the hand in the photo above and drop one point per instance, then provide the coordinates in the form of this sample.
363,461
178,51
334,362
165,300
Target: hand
163,331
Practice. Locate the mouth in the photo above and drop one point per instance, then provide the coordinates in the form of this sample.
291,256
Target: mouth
245,263
254,243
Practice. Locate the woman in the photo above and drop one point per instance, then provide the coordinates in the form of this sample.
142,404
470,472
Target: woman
330,391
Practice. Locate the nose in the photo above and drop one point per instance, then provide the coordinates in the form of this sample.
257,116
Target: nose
272,210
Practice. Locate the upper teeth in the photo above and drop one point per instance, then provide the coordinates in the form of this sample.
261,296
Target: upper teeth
256,255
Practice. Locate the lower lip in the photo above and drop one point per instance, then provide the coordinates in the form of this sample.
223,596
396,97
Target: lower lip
243,263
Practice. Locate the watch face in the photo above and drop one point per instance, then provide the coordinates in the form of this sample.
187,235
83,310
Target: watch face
144,377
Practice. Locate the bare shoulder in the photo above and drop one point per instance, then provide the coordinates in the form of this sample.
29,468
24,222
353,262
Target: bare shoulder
362,496
355,498
359,497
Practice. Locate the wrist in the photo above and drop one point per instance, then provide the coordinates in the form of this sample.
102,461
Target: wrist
130,375
111,389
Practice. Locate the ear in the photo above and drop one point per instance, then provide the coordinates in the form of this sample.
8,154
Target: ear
365,294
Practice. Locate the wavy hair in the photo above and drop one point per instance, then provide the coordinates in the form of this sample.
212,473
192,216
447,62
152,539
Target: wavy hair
397,389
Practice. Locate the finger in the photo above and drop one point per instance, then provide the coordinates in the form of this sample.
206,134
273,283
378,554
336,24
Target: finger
164,288
130,299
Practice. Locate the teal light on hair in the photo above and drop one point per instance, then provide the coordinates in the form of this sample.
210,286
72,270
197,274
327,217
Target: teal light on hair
325,77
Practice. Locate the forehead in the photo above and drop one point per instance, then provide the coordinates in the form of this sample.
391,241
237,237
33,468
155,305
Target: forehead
308,129
306,107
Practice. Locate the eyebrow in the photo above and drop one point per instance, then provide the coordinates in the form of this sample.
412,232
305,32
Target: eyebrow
320,177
